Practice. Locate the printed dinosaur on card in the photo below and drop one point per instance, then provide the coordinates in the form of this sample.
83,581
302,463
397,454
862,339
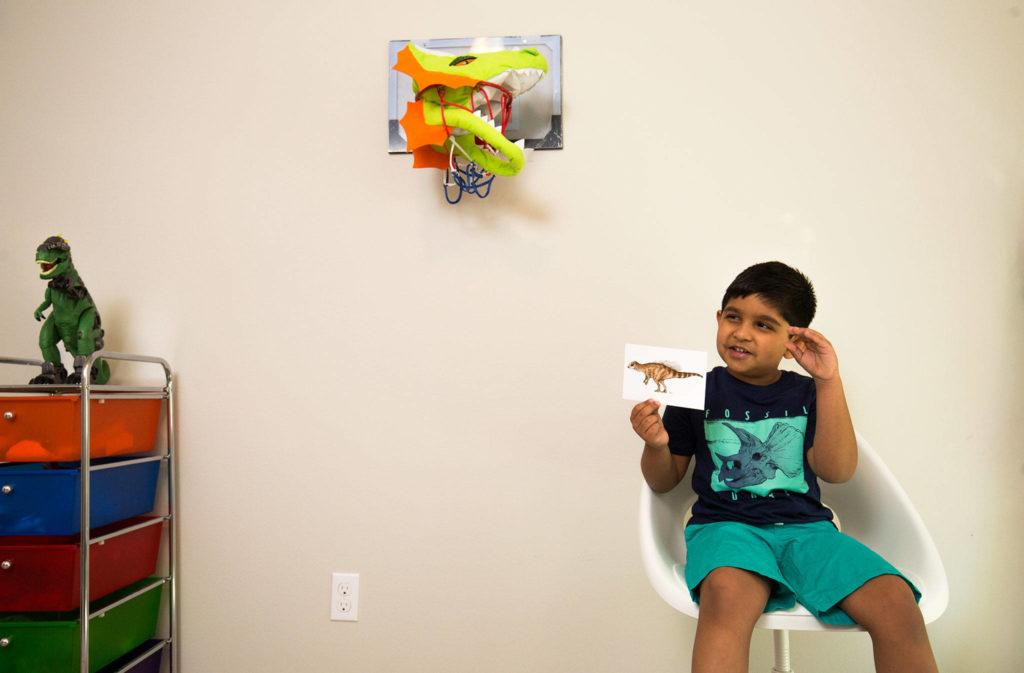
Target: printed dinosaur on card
659,372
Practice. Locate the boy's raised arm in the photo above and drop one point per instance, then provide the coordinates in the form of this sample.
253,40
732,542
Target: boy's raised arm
834,454
662,469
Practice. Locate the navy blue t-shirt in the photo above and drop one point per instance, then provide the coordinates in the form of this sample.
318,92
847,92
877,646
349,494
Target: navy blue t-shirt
750,450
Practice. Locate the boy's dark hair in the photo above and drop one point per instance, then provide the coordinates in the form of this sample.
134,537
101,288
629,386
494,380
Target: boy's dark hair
780,286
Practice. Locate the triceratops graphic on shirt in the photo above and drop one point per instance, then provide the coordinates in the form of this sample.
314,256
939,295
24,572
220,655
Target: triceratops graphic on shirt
756,465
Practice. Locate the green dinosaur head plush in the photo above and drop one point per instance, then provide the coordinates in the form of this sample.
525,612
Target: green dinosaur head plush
465,100
53,257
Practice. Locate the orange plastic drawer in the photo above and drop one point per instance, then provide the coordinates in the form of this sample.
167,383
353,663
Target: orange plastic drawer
47,429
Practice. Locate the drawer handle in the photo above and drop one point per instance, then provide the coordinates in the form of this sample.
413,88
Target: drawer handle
6,565
4,642
8,415
7,489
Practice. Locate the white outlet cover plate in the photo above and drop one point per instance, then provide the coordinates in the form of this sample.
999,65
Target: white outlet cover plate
345,597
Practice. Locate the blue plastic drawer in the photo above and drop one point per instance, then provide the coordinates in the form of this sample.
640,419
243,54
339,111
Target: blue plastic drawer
39,501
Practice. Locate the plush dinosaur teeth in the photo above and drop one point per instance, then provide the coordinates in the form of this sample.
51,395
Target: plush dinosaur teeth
479,114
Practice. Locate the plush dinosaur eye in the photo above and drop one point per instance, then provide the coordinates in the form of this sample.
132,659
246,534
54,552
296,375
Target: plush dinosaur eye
462,60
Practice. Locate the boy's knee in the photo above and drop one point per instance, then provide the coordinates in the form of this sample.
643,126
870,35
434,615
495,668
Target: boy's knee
736,588
892,591
884,603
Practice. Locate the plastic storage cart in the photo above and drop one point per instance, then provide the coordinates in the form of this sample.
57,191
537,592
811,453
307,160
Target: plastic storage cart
82,586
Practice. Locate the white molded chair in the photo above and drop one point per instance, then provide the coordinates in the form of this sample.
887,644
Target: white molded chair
871,507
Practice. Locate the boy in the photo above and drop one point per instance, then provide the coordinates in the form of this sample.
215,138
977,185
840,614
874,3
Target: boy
759,538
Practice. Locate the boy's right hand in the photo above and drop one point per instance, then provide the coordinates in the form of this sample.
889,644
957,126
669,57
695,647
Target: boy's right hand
647,423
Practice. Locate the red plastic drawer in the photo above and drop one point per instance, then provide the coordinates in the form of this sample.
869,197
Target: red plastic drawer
49,429
40,573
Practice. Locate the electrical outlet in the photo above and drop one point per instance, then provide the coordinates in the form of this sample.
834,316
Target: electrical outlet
345,597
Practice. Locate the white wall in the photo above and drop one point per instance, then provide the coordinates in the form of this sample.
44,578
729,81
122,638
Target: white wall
374,381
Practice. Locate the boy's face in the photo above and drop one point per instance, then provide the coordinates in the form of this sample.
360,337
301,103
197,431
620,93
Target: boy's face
752,339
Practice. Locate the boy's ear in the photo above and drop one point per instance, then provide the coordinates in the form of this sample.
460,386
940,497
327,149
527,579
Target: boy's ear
793,338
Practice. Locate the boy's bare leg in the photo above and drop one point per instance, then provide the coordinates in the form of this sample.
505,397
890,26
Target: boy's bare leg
731,601
885,607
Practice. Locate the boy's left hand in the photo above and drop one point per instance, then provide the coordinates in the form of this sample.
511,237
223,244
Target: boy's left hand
814,353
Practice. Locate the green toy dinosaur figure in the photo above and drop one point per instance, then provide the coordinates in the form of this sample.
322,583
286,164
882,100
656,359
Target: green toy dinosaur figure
73,320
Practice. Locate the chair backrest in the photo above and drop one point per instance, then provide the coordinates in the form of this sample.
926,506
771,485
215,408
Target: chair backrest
874,509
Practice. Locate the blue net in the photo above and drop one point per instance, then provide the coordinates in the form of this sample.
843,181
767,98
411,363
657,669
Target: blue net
470,178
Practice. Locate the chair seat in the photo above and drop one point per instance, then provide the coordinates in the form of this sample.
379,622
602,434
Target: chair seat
796,618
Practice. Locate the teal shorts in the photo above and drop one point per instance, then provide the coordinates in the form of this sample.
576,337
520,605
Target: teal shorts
812,563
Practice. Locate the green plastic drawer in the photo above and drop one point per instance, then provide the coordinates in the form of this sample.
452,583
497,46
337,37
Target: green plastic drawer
48,642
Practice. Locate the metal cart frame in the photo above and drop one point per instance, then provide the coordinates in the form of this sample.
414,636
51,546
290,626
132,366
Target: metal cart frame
89,392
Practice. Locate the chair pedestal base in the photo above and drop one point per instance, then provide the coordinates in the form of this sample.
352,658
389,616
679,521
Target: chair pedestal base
781,652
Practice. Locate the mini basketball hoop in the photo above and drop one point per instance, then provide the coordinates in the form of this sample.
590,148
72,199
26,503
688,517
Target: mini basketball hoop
461,112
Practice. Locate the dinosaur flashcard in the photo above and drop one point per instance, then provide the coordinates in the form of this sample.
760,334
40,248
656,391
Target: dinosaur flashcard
670,375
